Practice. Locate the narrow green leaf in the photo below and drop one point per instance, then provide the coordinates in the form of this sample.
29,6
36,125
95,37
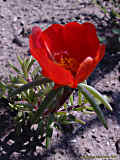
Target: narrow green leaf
25,62
78,109
23,66
24,106
35,71
49,132
88,112
11,78
97,95
30,63
79,97
74,119
25,69
80,121
65,105
22,80
14,68
3,85
20,113
61,113
41,127
50,119
17,85
29,85
92,101
71,99
89,108
47,141
20,61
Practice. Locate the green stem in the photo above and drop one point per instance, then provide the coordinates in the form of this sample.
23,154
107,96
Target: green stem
61,100
53,101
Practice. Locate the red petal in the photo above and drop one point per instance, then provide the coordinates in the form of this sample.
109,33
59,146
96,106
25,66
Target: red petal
84,70
100,54
81,40
51,70
36,36
89,64
54,38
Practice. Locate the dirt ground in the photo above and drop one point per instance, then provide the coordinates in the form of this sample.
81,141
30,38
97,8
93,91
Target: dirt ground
91,141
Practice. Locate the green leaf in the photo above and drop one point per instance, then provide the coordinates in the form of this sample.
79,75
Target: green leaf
28,85
74,119
50,119
79,97
71,99
22,80
92,101
35,71
17,85
65,105
80,121
61,113
3,88
41,127
20,61
97,95
20,114
30,63
89,108
24,107
78,109
3,85
47,141
13,67
23,66
49,132
25,62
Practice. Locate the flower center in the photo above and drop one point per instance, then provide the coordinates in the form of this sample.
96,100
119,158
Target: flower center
66,61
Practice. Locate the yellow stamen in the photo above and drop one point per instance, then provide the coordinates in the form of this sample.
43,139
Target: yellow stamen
69,64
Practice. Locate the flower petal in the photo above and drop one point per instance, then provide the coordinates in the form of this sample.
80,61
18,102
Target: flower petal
89,64
36,36
100,54
81,40
53,36
84,70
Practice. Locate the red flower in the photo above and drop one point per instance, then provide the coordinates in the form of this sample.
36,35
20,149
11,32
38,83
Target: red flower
67,54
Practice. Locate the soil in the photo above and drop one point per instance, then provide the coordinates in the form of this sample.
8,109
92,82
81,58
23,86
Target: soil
91,141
